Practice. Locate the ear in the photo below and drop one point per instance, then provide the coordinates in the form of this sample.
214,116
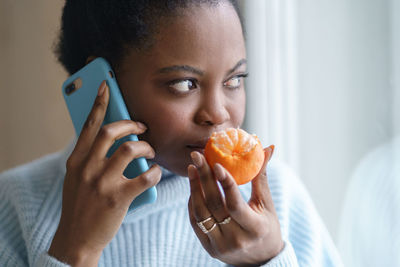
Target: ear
90,59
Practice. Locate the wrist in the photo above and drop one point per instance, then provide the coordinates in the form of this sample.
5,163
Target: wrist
75,257
271,256
72,254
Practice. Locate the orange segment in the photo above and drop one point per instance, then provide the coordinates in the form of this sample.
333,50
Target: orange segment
239,152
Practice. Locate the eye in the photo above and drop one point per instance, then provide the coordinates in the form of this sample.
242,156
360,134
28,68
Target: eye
235,81
182,86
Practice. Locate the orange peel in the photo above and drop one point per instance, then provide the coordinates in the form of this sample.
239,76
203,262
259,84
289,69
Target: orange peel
239,152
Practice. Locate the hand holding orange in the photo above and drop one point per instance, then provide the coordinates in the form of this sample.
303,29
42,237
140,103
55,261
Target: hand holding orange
218,212
239,152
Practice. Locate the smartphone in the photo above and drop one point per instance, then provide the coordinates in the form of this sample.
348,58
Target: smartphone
80,91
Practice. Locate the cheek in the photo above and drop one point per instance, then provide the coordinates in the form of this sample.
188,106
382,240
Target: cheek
165,124
168,122
237,109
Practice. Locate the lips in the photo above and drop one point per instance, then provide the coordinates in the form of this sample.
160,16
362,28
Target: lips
198,145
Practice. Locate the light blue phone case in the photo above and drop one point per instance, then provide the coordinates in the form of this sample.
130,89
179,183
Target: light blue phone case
80,103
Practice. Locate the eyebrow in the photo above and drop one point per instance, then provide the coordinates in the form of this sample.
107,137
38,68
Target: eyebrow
194,70
185,68
240,63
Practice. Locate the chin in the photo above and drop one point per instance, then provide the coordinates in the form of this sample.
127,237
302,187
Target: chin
179,170
177,167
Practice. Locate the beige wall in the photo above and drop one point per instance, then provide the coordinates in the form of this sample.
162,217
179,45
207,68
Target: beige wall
33,117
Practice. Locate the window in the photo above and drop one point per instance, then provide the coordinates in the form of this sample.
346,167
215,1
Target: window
324,87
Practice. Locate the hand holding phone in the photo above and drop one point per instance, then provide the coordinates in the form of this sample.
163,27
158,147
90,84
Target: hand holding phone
96,195
80,90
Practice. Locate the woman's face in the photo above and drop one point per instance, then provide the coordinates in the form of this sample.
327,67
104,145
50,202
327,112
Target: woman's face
188,84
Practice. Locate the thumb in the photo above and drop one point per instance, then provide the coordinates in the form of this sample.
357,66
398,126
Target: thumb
260,193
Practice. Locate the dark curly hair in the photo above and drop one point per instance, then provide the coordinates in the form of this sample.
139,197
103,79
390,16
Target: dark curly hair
106,28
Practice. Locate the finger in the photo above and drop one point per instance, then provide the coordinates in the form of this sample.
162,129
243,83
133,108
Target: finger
200,210
236,205
213,197
93,122
109,133
127,152
204,240
134,187
260,192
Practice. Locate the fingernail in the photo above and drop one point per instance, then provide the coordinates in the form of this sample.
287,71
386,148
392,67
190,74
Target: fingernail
191,169
196,159
272,147
102,88
219,172
141,125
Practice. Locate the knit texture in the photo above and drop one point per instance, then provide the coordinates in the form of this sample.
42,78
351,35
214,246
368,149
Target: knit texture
159,234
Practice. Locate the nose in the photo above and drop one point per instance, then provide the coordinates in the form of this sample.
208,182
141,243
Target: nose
212,110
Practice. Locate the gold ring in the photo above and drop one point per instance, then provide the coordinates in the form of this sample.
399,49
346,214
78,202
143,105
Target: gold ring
203,227
226,220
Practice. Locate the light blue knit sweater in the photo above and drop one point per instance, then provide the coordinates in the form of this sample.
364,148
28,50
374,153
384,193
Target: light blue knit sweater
157,235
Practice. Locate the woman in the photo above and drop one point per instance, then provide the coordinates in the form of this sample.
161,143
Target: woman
180,66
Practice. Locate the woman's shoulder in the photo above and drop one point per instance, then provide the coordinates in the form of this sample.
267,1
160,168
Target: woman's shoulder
33,172
282,181
27,193
27,186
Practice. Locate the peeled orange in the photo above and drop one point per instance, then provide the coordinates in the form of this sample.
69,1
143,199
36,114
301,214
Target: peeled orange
238,151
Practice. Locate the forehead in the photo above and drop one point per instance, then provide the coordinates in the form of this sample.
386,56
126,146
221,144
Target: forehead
201,35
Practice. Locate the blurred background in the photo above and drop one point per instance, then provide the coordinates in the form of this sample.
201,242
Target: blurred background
324,87
33,118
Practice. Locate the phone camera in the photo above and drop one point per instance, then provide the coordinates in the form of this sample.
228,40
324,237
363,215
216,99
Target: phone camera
70,89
